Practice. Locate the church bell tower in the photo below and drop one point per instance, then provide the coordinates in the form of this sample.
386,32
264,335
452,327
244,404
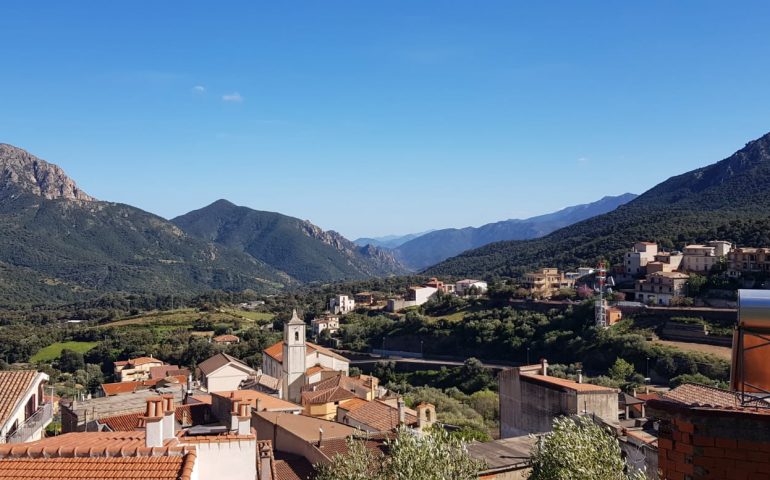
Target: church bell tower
294,357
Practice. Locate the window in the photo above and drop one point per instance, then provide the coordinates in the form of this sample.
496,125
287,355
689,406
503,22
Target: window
296,336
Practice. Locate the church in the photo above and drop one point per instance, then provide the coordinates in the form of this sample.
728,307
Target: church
297,362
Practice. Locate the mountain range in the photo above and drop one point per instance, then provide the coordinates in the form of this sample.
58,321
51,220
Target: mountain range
728,200
388,241
59,244
433,247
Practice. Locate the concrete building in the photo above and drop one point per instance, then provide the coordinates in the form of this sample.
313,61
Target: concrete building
341,304
136,369
298,362
223,372
745,260
420,295
702,258
463,287
327,322
530,399
23,413
641,254
546,282
660,288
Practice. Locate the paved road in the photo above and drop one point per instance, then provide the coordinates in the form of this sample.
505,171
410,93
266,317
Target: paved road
423,361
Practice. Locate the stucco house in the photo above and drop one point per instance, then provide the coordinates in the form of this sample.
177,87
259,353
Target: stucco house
23,414
223,372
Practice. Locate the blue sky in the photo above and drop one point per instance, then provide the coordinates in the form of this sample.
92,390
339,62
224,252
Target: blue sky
372,118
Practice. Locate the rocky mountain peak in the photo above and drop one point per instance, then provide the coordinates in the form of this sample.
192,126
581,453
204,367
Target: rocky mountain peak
22,170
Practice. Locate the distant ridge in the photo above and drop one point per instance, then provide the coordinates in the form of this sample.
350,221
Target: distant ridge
297,247
728,200
433,247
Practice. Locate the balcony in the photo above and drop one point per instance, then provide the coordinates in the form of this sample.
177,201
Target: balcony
38,421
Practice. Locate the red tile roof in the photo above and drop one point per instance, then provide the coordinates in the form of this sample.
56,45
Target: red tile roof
292,467
85,443
212,364
266,402
168,371
377,415
276,351
176,467
13,384
185,414
118,388
377,443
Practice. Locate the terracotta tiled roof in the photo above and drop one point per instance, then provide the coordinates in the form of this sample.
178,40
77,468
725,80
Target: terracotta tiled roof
168,371
339,446
316,369
379,416
175,467
353,403
186,415
334,394
13,384
276,351
97,443
118,388
218,361
709,398
135,362
568,384
292,467
261,380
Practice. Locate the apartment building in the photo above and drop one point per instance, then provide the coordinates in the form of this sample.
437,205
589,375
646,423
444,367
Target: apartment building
641,254
546,282
23,414
341,304
748,260
702,258
661,287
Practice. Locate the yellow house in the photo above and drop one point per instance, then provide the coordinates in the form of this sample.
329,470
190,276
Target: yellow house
321,399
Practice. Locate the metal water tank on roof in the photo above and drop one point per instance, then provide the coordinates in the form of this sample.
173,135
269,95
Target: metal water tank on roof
750,372
754,309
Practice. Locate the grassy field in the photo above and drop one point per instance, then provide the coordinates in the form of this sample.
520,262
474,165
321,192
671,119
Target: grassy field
721,352
52,352
185,318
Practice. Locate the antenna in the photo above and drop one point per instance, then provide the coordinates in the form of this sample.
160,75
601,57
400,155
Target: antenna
601,306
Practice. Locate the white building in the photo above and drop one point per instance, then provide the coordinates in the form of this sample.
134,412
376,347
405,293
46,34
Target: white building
223,372
640,255
327,322
298,362
702,258
23,415
463,286
341,304
421,295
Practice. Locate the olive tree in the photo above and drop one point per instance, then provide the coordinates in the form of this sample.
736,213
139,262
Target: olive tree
579,449
411,456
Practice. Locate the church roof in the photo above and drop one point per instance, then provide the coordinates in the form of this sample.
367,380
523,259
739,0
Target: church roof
276,351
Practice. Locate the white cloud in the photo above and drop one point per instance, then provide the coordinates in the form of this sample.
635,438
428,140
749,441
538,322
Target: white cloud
232,97
199,89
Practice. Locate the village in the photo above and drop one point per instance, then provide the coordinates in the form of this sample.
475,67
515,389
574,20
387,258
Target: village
298,410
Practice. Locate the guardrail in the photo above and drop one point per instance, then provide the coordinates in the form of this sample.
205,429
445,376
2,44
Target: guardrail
37,421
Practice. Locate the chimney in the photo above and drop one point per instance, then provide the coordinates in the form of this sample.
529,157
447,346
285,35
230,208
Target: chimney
153,421
241,418
544,365
401,411
257,407
168,416
580,375
320,436
189,391
265,461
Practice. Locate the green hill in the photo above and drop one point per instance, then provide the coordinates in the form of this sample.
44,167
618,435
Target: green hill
57,244
728,200
289,244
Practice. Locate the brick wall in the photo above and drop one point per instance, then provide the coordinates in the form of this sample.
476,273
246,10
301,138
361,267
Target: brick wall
693,445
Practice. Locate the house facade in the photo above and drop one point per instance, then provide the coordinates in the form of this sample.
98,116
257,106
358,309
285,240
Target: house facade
702,258
660,288
223,372
640,255
23,413
546,282
136,369
341,304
